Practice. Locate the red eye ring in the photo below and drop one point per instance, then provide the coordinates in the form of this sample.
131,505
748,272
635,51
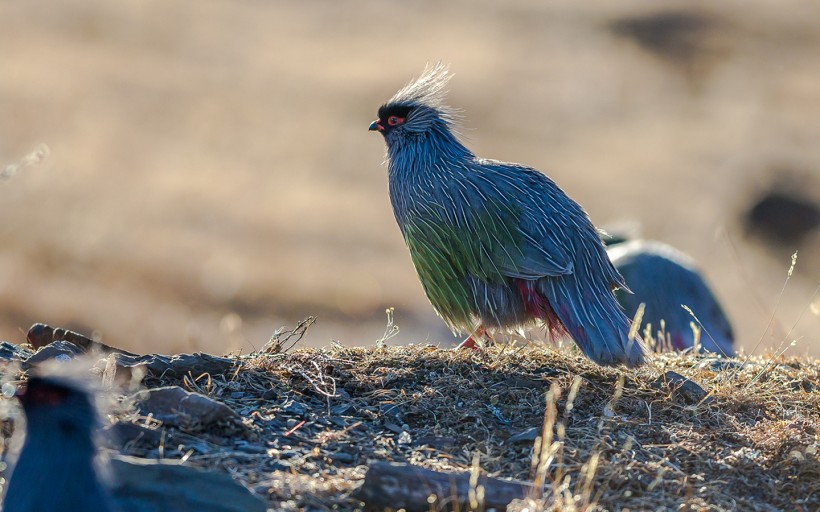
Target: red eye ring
395,120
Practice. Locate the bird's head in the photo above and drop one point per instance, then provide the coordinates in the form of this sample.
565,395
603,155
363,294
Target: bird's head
417,109
391,117
58,406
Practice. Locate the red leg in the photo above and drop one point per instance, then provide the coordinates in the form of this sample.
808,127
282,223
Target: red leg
470,342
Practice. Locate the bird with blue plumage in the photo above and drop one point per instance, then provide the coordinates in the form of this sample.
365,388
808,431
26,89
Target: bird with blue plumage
678,303
57,469
497,246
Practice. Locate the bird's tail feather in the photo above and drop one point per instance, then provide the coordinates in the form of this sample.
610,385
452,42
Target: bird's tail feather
594,320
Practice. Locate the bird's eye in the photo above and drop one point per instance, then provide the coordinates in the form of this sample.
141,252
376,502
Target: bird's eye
395,120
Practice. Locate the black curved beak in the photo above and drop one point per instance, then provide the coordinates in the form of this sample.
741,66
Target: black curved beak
375,126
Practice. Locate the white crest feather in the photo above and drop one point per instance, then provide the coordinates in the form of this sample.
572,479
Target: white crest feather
428,89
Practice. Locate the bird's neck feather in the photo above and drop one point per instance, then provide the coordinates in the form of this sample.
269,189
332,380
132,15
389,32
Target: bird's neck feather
435,146
420,164
424,160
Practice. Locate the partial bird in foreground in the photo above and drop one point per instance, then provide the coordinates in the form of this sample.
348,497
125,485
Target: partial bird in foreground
665,280
56,469
497,246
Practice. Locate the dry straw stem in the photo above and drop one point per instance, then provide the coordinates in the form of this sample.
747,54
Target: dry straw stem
611,438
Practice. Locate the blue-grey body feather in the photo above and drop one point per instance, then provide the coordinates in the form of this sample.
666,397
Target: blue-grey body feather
665,280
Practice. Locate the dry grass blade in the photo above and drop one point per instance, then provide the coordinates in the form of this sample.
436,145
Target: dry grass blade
284,339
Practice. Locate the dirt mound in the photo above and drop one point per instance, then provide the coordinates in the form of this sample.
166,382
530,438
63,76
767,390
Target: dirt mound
684,432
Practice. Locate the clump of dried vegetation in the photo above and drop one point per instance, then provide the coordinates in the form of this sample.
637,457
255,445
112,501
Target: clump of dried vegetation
686,432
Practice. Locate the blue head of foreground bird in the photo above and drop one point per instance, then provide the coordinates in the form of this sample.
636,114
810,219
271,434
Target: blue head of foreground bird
55,470
497,246
665,280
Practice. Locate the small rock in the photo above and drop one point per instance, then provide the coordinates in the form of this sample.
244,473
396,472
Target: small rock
682,389
391,412
802,385
8,390
178,365
121,433
342,457
174,406
526,436
53,350
277,465
12,352
288,454
337,421
40,335
404,438
392,427
143,485
244,446
341,409
294,408
436,442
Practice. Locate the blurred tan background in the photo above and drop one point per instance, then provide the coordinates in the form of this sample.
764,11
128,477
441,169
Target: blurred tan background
211,176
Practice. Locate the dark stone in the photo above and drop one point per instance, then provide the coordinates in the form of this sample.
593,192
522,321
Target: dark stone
682,389
40,335
392,427
341,409
176,407
53,350
294,408
12,352
391,412
122,433
526,436
438,443
177,365
342,457
144,485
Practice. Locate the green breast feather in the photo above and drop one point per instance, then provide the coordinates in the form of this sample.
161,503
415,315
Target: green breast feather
483,243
